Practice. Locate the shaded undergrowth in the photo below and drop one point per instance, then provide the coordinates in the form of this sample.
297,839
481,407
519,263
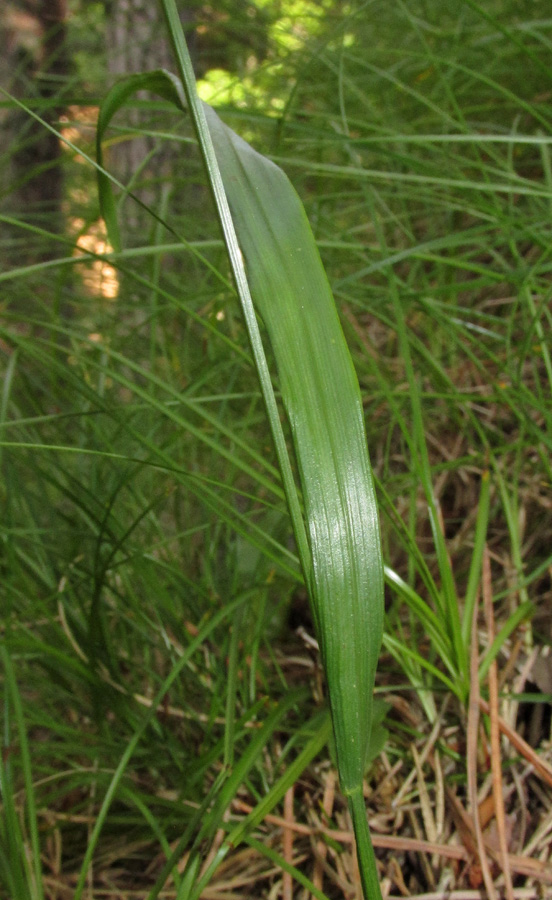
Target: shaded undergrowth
150,588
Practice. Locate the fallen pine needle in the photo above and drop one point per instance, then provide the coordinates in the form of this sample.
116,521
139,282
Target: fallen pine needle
321,847
496,762
287,880
541,767
471,760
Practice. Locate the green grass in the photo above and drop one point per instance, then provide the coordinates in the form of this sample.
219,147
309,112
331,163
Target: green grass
151,677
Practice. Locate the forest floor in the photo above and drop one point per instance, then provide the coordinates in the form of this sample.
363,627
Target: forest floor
164,729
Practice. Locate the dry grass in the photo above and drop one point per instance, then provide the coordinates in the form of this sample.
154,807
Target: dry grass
465,808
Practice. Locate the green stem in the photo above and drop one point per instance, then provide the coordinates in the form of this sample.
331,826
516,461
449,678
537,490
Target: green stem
365,851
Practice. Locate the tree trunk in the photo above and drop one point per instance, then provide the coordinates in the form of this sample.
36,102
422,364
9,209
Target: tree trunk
33,66
137,41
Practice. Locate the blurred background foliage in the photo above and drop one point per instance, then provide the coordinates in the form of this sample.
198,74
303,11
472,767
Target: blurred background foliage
138,488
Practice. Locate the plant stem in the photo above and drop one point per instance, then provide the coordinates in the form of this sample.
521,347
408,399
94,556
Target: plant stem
365,851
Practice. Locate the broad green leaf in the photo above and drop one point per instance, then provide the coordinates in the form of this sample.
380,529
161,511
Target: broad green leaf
276,263
323,404
322,400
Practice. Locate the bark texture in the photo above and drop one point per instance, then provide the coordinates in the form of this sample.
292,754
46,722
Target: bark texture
137,41
33,67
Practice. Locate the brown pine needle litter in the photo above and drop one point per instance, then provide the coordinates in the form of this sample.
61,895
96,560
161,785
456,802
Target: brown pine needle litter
322,836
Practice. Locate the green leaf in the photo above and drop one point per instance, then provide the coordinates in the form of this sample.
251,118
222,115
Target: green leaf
342,561
323,404
279,276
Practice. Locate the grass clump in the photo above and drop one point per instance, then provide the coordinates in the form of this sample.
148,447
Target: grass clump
148,574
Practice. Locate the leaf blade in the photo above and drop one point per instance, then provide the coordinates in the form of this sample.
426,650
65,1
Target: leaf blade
324,407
